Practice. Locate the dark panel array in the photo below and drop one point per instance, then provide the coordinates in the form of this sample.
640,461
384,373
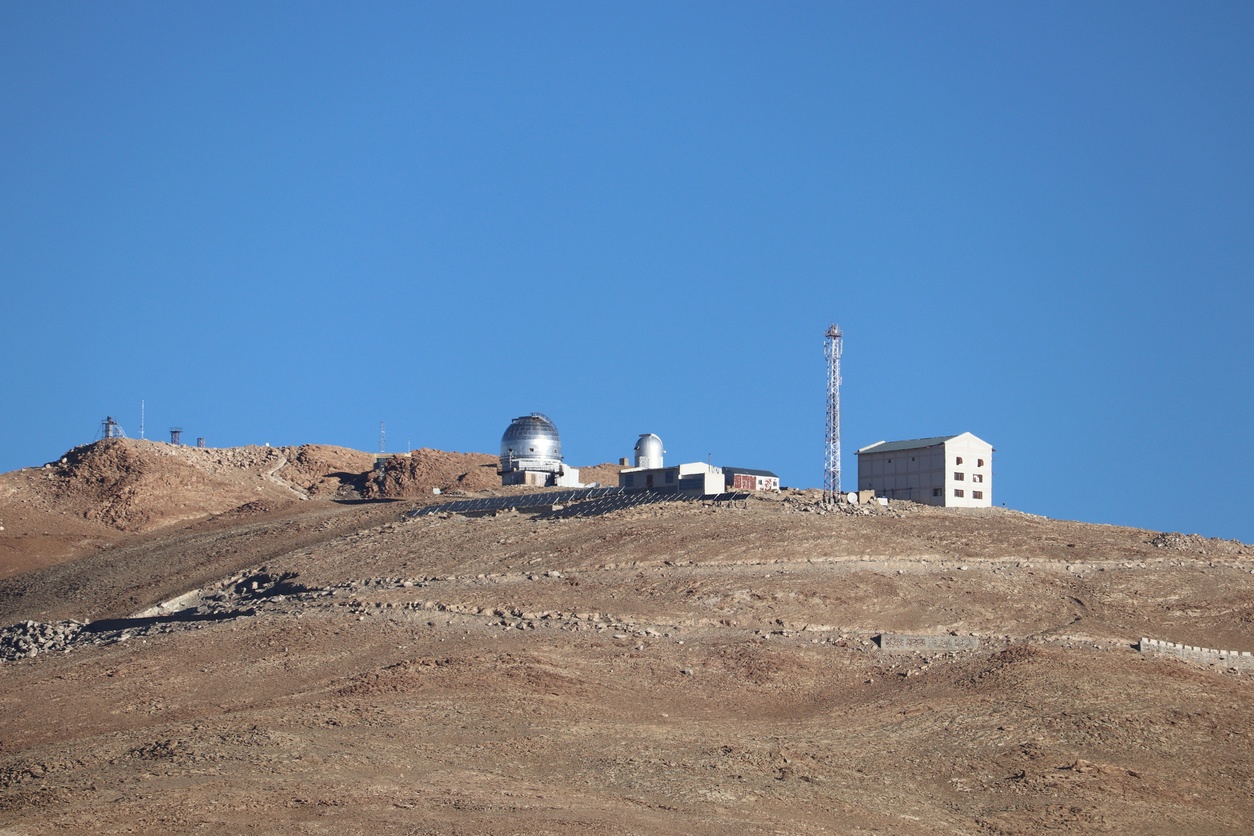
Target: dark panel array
630,499
502,503
605,504
581,502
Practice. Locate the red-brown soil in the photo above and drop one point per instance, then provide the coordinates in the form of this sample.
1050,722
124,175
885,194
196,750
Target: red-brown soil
421,472
678,668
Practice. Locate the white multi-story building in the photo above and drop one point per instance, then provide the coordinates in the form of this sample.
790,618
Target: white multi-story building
949,470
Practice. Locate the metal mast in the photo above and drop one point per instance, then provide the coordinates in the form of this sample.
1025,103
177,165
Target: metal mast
833,346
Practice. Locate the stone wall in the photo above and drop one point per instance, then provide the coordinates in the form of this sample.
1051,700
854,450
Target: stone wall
1241,660
903,643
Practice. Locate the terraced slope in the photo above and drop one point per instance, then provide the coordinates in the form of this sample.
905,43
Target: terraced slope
323,666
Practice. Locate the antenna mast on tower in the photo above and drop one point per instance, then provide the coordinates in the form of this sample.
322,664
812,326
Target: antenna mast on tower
833,346
383,437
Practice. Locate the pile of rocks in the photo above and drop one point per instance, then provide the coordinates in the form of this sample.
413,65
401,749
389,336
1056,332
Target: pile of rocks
30,638
1197,543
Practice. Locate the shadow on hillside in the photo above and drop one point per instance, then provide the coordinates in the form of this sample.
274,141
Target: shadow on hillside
109,625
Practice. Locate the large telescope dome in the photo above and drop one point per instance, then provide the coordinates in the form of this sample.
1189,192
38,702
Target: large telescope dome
530,438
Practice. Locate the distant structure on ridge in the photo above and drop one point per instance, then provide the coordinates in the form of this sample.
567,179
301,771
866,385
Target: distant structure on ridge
110,428
176,435
833,346
948,470
650,473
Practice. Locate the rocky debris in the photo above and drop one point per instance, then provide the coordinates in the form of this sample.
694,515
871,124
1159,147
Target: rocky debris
422,471
134,485
813,502
30,638
325,471
1197,543
265,585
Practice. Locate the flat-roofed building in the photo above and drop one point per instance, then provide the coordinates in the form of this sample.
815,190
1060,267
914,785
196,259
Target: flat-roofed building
697,478
747,479
948,470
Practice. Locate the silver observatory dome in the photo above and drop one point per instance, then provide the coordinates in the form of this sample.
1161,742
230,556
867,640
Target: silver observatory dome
649,451
530,437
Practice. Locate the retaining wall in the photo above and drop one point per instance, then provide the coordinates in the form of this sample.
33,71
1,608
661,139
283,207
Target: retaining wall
1241,660
902,643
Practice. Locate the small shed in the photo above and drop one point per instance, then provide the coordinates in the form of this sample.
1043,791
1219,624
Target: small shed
748,479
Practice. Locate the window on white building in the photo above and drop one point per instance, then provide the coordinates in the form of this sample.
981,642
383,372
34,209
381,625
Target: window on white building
977,494
959,461
979,462
958,492
958,477
977,477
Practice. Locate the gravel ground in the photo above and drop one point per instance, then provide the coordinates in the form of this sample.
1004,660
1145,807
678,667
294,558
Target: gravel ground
322,666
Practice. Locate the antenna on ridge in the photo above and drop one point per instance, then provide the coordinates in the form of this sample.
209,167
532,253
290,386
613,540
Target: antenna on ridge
382,438
833,347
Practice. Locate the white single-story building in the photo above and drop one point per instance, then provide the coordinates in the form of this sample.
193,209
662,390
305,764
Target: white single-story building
694,477
747,479
948,470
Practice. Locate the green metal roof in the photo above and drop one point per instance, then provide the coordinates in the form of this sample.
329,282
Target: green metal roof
748,471
912,444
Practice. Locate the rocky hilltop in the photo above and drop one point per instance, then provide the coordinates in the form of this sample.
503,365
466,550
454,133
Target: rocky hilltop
269,639
120,486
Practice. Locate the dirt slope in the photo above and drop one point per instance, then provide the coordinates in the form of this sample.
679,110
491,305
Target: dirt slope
684,667
93,494
417,474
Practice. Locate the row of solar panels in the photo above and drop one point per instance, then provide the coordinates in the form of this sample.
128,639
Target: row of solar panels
583,502
631,499
605,504
504,503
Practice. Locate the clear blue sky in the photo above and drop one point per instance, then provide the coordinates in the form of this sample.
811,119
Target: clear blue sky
287,222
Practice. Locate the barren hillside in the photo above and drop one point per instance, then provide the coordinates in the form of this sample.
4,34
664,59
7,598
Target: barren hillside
329,664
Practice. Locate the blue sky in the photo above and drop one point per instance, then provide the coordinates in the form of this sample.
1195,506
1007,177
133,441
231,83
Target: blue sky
287,222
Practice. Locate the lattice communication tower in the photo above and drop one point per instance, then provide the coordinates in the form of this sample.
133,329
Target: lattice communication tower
833,346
